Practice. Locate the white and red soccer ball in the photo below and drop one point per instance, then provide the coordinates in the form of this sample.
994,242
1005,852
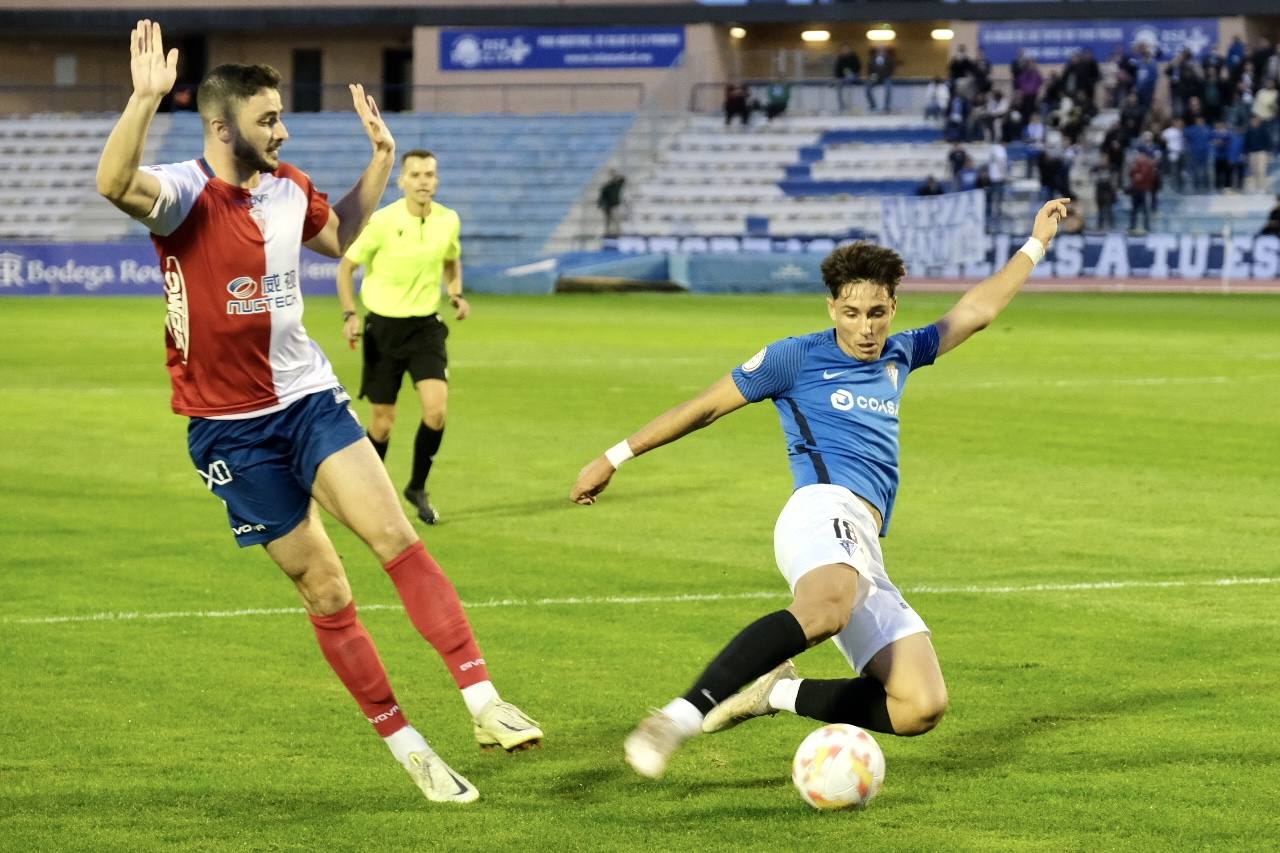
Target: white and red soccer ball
838,767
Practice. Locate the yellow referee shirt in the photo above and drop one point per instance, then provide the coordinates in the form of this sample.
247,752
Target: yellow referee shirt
403,256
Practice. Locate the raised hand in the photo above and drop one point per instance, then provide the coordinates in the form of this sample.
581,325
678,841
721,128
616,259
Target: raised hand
1046,225
153,72
371,118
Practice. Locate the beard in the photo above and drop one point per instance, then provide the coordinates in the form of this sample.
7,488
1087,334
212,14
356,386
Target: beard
250,156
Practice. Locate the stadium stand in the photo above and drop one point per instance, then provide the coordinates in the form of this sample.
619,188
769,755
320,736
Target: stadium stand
824,175
525,185
512,179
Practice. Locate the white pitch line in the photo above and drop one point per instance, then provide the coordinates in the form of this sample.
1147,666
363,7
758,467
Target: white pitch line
960,385
1085,587
921,589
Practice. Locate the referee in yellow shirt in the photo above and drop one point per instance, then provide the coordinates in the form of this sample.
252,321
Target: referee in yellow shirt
408,248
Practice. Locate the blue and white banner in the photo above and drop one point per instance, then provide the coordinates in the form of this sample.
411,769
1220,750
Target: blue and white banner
1115,257
1055,41
115,269
565,48
935,231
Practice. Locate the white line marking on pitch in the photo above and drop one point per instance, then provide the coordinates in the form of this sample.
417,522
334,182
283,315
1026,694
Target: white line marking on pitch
922,589
108,391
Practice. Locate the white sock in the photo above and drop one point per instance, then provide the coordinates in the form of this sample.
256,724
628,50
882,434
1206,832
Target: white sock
478,695
403,742
687,717
783,695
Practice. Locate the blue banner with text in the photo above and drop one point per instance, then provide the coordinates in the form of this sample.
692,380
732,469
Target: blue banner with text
565,48
1055,41
115,269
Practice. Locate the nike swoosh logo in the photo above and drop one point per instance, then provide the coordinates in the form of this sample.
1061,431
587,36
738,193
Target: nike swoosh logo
513,728
832,374
462,789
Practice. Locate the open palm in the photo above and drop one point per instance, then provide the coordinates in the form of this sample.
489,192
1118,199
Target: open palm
371,118
153,72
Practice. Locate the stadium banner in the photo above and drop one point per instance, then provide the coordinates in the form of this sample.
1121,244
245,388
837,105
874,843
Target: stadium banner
1116,256
561,48
937,231
115,269
1055,41
761,264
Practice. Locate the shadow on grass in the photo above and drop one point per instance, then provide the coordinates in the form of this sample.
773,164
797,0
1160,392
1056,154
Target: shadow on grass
995,747
560,502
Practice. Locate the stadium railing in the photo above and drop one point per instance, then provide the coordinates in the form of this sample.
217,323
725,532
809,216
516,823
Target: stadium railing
508,98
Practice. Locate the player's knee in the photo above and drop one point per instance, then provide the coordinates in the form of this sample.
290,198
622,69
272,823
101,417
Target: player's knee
391,537
925,711
381,423
821,618
434,417
324,590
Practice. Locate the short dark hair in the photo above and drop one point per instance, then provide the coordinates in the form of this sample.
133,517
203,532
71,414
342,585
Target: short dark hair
229,83
862,261
416,152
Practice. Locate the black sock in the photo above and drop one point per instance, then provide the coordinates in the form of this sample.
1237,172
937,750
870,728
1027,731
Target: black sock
380,446
758,648
860,701
425,446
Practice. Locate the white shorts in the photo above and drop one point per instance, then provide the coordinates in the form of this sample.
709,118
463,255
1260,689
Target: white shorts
822,525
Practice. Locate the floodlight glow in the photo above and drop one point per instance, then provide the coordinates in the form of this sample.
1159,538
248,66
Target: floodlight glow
815,35
882,34
942,34
737,32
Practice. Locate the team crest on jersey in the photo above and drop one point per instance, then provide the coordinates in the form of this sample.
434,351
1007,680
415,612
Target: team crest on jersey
892,370
755,361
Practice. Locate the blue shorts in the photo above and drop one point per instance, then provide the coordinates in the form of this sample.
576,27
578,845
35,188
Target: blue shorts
263,468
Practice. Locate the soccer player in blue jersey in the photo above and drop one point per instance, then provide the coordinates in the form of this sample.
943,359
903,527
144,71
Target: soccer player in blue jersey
838,394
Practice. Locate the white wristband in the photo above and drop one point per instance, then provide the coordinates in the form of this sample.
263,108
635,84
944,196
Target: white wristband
619,453
1034,250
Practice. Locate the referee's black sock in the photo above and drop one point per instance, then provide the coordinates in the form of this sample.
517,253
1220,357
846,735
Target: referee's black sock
425,446
758,648
380,446
859,701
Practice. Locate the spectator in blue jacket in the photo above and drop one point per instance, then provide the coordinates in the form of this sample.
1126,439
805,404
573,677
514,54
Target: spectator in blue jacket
1256,145
1199,153
1146,73
1220,142
1235,159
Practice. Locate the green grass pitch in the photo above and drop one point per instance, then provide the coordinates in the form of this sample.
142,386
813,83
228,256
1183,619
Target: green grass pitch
1076,482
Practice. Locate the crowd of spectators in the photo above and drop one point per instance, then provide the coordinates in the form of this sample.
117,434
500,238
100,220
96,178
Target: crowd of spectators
1217,129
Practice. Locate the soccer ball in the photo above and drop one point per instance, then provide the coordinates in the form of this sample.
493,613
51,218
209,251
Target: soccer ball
838,767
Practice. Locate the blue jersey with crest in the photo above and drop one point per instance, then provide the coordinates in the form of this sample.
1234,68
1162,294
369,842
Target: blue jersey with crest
840,415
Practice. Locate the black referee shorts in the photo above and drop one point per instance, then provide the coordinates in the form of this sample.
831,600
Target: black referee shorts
393,345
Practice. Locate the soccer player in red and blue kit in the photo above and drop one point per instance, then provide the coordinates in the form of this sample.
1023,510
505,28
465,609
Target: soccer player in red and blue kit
838,394
271,430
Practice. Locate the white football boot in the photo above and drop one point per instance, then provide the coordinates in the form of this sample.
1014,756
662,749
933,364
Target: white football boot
439,782
750,701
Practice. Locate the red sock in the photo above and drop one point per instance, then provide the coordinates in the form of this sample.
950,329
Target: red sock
436,611
349,649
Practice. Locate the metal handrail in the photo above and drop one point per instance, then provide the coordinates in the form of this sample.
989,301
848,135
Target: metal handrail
513,98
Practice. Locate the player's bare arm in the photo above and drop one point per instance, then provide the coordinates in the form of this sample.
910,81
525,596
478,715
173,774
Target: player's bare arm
980,306
347,299
453,285
352,212
703,410
120,181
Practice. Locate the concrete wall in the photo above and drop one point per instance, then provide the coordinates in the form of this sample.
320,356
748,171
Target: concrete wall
706,54
916,52
101,75
351,59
